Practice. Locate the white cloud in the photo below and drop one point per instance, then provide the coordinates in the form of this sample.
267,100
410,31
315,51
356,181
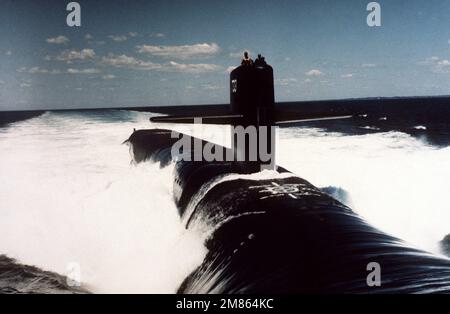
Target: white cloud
108,77
240,54
346,76
133,34
211,87
59,40
2,82
37,70
83,71
231,68
8,52
285,81
157,35
180,52
88,37
118,38
124,61
314,72
23,85
308,80
73,55
437,64
368,65
173,66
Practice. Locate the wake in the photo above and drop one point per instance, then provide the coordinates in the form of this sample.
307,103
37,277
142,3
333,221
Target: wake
71,196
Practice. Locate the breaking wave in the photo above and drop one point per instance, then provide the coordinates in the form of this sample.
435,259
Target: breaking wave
70,195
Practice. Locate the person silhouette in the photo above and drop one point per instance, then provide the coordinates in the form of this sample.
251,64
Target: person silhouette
260,61
247,60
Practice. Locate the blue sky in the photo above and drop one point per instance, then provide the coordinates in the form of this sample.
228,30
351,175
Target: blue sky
138,53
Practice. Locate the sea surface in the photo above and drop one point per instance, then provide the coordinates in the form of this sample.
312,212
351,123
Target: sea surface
69,194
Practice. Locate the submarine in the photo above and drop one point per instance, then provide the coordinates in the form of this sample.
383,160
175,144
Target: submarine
268,231
252,104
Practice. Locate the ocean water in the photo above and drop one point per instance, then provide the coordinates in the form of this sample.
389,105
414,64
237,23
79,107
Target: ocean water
397,182
69,194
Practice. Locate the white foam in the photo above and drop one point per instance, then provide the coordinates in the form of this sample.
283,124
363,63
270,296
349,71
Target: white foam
395,181
69,194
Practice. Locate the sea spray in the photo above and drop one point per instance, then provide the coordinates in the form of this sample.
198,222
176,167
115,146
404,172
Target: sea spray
395,181
70,195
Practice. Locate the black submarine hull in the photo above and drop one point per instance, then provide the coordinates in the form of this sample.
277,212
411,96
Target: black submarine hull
274,232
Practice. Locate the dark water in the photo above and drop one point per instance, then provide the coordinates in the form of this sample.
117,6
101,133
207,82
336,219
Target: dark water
436,133
16,278
7,117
